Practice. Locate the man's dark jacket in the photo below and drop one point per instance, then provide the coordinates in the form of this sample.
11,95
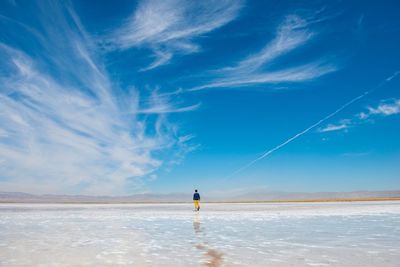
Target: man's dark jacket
196,196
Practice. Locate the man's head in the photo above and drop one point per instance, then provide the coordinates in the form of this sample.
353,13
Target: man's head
195,190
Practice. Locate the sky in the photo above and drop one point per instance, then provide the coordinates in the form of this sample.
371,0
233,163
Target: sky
229,97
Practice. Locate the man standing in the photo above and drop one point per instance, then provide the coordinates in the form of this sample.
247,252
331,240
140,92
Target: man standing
196,200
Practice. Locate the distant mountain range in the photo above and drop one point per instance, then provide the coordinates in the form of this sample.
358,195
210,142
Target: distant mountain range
292,196
18,197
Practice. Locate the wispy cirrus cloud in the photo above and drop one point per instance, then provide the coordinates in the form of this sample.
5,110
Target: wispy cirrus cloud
296,74
167,108
170,27
290,35
161,58
65,126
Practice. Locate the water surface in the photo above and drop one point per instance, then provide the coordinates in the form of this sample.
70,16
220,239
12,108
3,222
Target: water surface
285,234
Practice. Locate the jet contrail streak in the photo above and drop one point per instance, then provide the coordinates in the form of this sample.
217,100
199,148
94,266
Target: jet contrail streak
269,152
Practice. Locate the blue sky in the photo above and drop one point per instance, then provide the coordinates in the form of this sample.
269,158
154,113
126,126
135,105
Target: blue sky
229,97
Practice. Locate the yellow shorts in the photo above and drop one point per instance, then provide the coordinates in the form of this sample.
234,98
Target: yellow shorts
196,203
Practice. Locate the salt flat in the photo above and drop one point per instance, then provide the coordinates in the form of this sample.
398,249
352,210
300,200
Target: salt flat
273,234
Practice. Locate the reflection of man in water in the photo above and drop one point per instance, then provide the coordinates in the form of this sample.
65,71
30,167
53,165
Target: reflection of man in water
196,200
213,257
197,224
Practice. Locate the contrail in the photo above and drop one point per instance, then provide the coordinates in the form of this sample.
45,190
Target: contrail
269,152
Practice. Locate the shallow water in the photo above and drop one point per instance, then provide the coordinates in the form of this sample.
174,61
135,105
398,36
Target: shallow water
286,234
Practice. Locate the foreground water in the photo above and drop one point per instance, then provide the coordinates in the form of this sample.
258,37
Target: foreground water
287,234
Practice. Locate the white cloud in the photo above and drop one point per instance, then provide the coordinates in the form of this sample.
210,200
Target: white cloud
161,59
161,109
169,27
66,128
362,115
162,104
291,34
296,74
385,108
334,127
